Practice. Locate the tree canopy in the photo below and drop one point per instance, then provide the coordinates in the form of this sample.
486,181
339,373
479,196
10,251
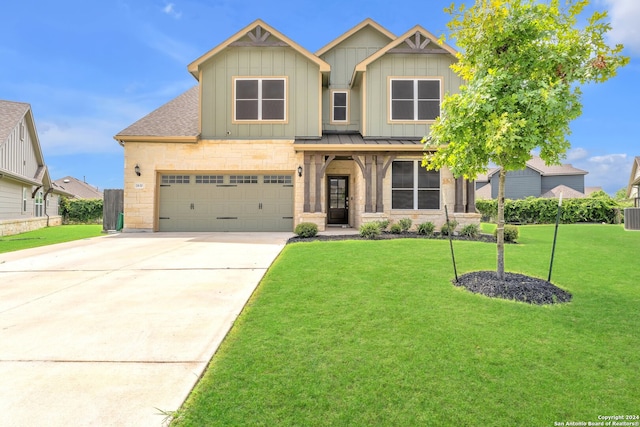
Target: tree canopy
523,62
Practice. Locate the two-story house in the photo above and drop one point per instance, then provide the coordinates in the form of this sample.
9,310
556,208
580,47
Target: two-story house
28,200
273,135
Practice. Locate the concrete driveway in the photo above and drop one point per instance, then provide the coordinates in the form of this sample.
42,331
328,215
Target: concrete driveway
110,331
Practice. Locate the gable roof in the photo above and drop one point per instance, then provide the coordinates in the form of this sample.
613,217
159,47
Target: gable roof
177,120
10,114
634,179
538,165
76,188
567,193
195,65
418,32
367,22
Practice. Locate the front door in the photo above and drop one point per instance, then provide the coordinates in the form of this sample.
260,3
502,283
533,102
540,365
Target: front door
338,212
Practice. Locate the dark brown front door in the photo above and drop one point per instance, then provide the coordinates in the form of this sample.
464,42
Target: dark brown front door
338,212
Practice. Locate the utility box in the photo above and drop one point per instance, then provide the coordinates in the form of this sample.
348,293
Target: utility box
632,219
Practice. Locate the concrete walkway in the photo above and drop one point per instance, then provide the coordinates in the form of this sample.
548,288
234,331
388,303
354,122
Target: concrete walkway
110,331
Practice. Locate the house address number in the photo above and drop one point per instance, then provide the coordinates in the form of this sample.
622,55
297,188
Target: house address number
139,185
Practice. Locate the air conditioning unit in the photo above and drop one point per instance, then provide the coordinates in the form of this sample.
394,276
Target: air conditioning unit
632,219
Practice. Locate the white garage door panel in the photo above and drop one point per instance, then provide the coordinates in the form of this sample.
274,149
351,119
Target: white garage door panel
226,203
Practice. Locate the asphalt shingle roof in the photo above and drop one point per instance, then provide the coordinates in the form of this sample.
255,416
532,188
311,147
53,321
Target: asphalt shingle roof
10,113
178,117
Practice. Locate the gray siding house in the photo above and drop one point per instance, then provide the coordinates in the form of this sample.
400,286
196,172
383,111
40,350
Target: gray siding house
27,197
535,180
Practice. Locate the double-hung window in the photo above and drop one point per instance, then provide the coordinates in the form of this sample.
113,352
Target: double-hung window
414,187
339,107
260,99
414,99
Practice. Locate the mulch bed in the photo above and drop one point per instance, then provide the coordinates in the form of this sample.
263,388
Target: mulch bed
516,287
389,236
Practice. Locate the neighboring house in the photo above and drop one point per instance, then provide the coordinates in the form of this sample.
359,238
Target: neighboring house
273,135
28,200
78,189
535,180
633,189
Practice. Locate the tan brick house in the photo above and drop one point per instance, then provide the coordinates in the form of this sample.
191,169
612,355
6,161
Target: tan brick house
273,135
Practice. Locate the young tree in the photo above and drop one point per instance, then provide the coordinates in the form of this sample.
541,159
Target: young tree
523,62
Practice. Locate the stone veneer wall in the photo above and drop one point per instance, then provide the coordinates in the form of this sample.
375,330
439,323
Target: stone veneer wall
9,227
209,156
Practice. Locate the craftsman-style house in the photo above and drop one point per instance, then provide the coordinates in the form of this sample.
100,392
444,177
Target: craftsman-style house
28,200
273,135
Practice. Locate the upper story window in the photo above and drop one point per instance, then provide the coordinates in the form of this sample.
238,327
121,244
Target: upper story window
414,99
340,107
414,187
259,99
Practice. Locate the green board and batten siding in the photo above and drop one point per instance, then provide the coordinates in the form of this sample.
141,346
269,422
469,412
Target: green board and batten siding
401,65
343,58
303,92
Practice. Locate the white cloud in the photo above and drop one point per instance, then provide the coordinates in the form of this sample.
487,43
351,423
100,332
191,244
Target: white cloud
611,171
170,10
180,52
576,154
624,15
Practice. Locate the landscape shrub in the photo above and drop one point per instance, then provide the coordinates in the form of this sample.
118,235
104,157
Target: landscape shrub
383,224
470,230
306,229
396,228
405,224
598,208
81,211
426,228
370,230
448,228
511,233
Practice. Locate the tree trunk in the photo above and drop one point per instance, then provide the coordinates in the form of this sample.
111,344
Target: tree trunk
500,230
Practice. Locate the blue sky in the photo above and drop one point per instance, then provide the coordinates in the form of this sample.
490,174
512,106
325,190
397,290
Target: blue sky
89,69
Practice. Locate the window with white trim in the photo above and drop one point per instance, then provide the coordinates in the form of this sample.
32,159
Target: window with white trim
414,99
339,106
259,99
24,199
39,211
414,187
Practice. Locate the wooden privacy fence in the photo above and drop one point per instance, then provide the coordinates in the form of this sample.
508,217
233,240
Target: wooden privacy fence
112,210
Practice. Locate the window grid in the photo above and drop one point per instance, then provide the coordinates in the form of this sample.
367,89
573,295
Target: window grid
414,191
277,179
413,101
260,99
175,179
243,179
340,106
209,179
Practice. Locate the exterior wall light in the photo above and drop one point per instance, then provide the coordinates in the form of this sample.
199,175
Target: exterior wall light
300,171
137,169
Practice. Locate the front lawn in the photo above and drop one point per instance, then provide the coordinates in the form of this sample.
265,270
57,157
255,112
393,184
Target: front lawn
48,236
368,333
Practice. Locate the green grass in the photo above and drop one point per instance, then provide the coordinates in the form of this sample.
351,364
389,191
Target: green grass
372,333
48,236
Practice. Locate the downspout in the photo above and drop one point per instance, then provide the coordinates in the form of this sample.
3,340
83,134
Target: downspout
44,201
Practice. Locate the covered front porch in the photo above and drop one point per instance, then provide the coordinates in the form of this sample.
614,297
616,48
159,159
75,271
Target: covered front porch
349,180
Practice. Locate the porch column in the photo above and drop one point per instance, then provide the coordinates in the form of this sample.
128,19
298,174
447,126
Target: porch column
471,196
368,203
459,204
319,159
379,176
307,183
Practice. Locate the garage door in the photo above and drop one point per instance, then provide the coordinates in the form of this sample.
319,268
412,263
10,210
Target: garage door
226,203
